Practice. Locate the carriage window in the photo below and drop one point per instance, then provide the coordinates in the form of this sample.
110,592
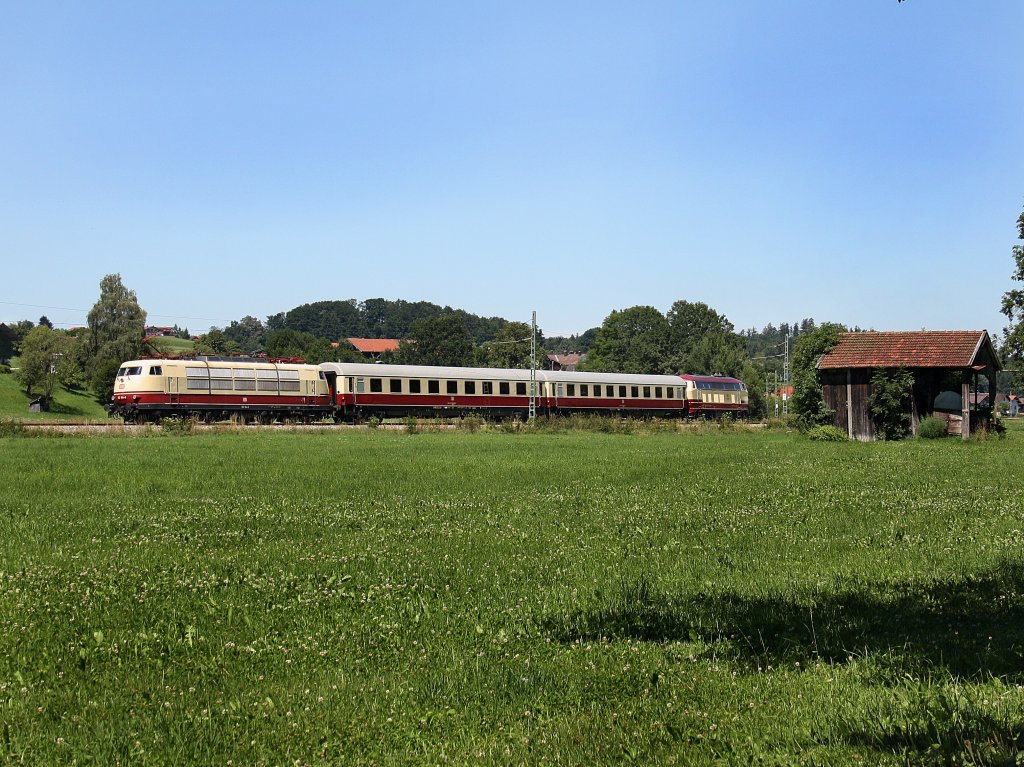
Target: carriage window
414,386
266,380
634,391
521,389
622,391
584,390
245,379
503,387
452,387
433,387
360,385
570,390
395,385
657,392
470,387
488,387
597,390
647,392
376,385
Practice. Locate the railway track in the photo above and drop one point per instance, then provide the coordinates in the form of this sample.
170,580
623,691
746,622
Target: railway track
118,427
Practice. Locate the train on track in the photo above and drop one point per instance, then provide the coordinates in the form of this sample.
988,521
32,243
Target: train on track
265,391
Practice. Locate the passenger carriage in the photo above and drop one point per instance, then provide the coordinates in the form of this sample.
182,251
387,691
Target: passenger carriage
361,389
614,393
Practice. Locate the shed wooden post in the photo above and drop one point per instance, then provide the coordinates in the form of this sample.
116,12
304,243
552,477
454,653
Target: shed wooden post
849,403
965,406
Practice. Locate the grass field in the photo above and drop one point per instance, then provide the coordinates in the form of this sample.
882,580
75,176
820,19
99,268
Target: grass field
712,597
67,406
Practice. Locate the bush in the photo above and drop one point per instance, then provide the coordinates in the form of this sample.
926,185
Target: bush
5,370
889,403
472,423
932,427
373,422
178,426
10,428
411,424
826,434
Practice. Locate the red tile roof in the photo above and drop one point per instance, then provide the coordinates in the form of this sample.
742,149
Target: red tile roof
374,345
921,349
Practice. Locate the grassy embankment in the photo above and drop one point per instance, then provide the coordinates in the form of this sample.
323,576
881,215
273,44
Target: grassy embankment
66,405
70,406
387,598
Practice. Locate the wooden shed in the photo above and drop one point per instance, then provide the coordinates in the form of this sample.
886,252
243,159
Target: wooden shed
946,365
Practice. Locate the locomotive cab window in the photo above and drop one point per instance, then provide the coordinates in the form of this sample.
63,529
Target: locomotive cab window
156,370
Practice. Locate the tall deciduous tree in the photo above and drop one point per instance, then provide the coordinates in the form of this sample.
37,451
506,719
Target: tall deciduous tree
808,401
634,340
1013,308
510,347
116,327
41,350
703,341
441,340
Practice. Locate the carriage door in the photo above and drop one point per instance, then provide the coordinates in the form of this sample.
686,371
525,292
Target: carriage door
172,389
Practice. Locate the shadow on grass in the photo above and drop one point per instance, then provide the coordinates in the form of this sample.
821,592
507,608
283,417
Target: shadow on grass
970,627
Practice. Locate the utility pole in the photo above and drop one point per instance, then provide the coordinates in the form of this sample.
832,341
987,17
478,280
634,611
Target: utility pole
533,367
785,380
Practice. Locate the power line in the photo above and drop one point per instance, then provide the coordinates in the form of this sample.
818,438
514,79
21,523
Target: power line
86,311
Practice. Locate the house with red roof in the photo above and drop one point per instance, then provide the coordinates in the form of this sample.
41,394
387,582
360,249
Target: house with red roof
947,366
373,348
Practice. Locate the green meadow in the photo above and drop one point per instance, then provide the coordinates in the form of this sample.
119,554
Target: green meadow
386,598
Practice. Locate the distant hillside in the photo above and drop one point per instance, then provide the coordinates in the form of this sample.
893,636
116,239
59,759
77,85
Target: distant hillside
374,318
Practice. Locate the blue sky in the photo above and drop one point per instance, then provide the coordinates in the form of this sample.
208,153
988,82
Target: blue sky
849,161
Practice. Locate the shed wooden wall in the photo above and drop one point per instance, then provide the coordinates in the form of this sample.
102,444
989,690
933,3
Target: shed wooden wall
834,388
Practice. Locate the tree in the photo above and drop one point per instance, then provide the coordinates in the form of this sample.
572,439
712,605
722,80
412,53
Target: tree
44,320
703,341
1013,308
808,400
441,340
7,339
117,325
510,347
306,346
41,350
634,340
248,334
